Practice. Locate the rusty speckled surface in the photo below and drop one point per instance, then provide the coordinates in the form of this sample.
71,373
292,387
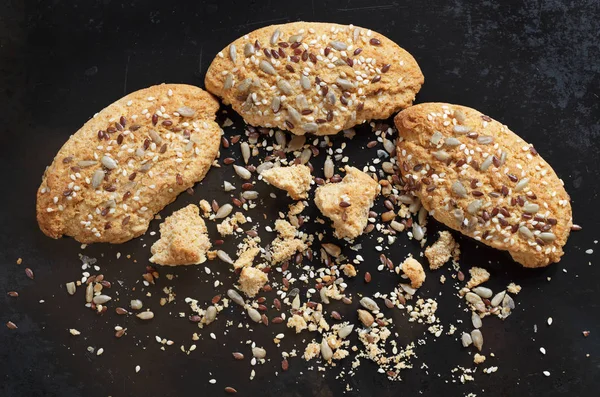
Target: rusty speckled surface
533,65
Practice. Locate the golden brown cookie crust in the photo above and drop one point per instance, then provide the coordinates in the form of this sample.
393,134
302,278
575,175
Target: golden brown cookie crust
314,77
476,176
127,163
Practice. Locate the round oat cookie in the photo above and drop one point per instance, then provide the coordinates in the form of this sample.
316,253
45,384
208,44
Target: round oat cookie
310,77
129,161
476,176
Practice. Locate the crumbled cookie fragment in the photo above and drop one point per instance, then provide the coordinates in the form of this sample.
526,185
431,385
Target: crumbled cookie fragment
246,258
297,322
282,249
228,226
285,229
296,208
312,350
513,288
440,252
183,239
414,270
478,276
205,208
252,280
295,179
478,358
349,270
347,203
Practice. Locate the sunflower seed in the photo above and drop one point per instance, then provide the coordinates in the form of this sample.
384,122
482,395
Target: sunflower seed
136,304
389,145
228,82
332,249
254,314
486,163
477,337
285,87
244,85
459,116
245,148
210,315
294,115
89,293
531,208
474,206
97,178
476,320
259,352
267,68
459,189
148,315
408,289
369,304
250,195
345,84
521,184
498,298
108,162
326,351
406,199
338,45
462,129
310,127
485,140
222,255
224,211
264,166
228,187
296,302
547,237
483,292
508,302
365,317
234,296
417,231
86,163
441,155
249,50
525,232
242,172
345,330
101,299
305,82
305,156
473,299
466,339
186,111
232,53
275,36
397,226
276,104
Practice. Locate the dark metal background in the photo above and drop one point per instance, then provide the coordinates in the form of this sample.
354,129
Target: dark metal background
533,65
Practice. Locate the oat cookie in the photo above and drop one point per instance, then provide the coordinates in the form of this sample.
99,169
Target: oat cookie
183,239
347,203
476,176
310,77
129,161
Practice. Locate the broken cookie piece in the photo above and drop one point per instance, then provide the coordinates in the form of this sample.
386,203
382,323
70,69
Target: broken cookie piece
414,270
286,244
183,239
295,179
347,203
252,280
478,276
440,252
246,257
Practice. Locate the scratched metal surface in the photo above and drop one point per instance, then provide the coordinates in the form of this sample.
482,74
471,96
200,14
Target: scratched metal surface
533,65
